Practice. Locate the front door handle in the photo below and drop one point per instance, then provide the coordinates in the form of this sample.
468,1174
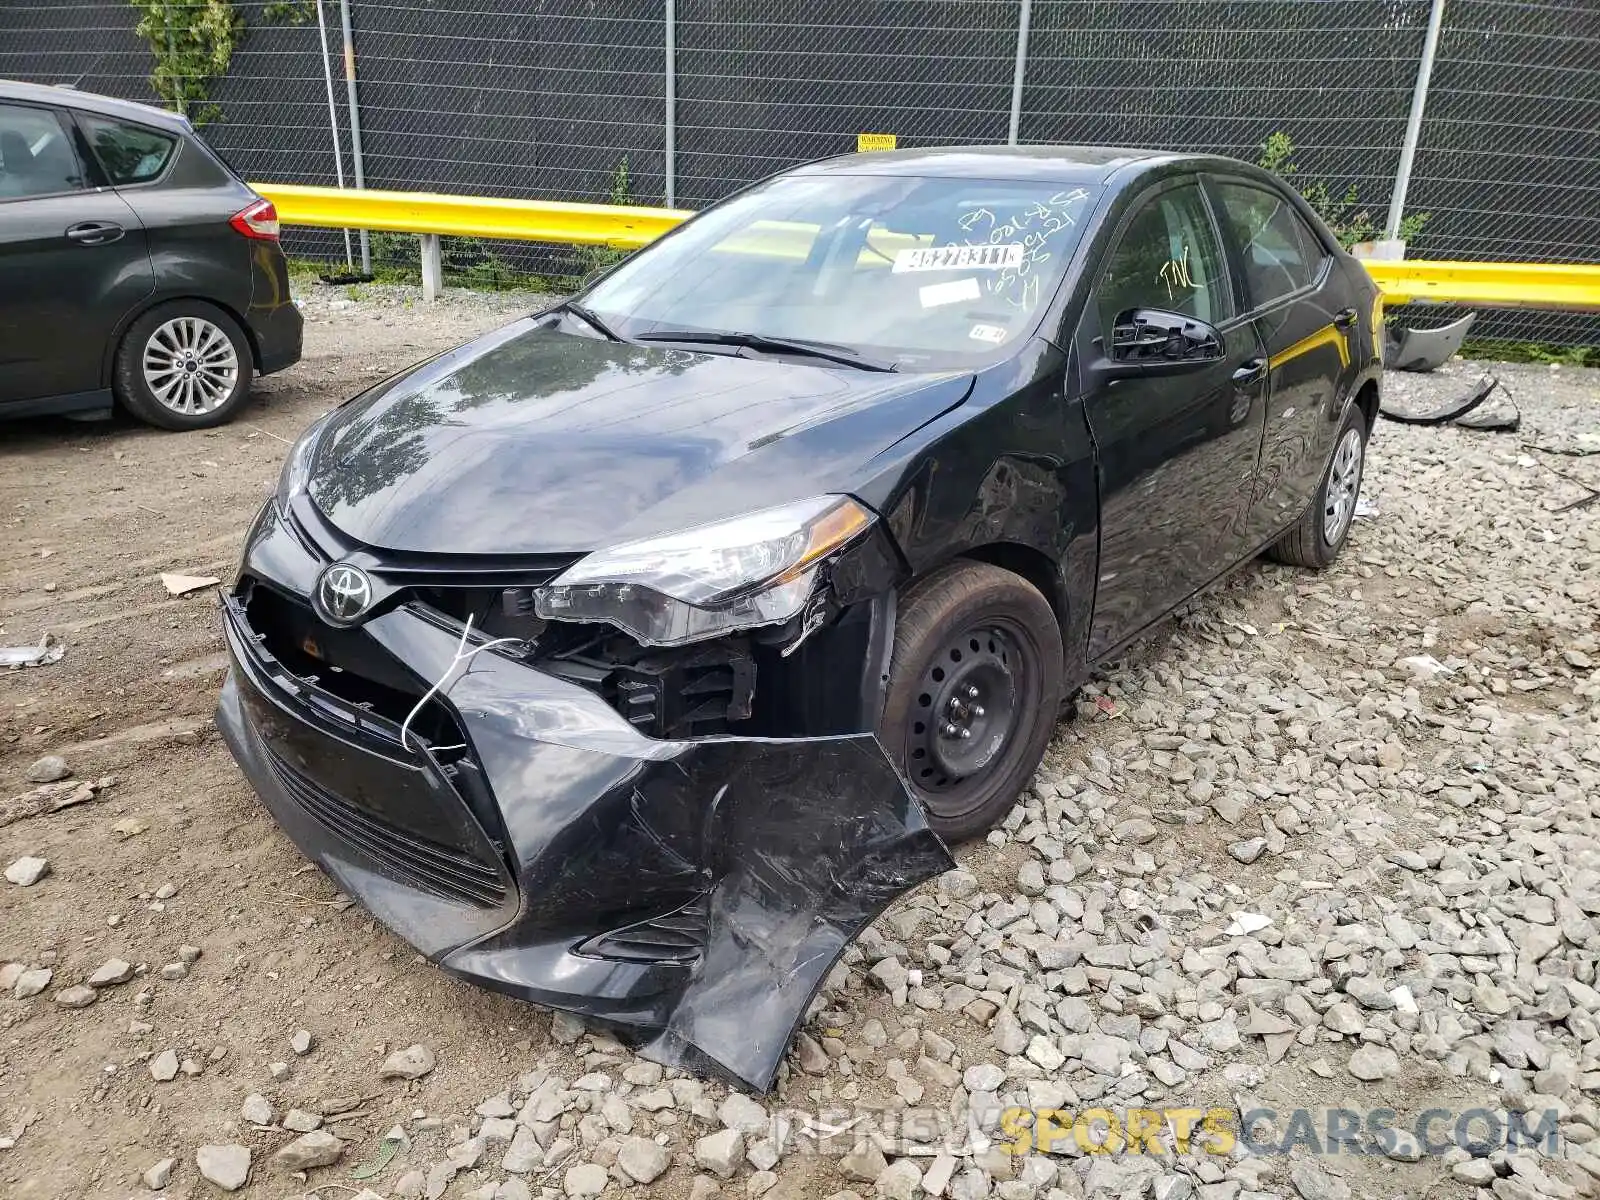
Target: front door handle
95,233
1344,318
1250,373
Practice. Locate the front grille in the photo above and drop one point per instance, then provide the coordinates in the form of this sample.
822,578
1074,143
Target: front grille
678,936
405,857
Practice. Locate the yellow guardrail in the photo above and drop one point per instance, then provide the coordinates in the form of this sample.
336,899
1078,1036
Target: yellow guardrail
1570,286
470,216
1573,287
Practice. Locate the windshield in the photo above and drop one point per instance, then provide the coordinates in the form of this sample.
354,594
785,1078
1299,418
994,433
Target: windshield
923,273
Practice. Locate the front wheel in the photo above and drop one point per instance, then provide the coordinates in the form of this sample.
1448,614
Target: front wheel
183,365
1316,539
974,690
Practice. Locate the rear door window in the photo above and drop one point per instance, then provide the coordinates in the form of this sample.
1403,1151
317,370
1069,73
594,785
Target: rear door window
36,158
128,153
1280,255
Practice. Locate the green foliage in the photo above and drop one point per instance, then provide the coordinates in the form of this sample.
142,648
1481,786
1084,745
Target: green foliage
289,12
595,259
1508,350
1344,215
193,42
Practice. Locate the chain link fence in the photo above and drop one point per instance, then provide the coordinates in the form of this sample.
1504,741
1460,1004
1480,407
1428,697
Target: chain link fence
686,101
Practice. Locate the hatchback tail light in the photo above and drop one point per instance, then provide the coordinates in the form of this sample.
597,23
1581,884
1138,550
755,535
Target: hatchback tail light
259,221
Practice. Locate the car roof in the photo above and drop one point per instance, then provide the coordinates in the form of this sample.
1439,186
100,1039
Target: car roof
68,97
1054,164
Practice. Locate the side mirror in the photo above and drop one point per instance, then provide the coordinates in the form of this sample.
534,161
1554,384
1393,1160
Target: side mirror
1151,341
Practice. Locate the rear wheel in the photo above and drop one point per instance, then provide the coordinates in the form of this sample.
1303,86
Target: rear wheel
183,365
1316,539
974,691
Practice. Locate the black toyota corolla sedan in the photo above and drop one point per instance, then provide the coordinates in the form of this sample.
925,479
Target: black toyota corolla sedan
631,658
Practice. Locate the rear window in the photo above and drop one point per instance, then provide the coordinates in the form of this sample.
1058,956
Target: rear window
128,153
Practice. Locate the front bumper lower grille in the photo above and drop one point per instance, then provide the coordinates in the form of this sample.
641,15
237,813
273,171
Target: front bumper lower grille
411,859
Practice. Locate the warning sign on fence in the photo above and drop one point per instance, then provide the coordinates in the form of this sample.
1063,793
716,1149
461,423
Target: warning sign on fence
874,141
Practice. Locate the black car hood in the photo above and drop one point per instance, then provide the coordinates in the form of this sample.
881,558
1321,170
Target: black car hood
533,441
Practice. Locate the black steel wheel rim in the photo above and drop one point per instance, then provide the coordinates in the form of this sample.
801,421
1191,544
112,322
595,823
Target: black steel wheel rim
964,714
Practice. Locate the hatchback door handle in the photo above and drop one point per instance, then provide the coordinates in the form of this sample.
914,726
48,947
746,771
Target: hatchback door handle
95,233
1344,318
1250,372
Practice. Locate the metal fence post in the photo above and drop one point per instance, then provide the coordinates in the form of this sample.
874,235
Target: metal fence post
333,123
1023,16
432,266
355,122
670,134
1419,99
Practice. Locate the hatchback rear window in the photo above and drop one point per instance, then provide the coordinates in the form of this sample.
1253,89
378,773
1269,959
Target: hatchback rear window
128,153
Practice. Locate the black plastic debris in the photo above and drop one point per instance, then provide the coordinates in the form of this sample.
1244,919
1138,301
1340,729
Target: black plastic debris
1446,413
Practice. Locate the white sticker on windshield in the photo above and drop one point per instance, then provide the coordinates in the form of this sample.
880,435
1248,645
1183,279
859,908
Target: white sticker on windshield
998,257
987,333
954,292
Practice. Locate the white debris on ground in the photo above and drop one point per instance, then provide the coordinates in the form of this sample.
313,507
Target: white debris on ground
1326,841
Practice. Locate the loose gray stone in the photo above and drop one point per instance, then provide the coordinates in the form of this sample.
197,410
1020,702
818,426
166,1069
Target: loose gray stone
642,1160
158,1176
76,996
27,871
110,972
318,1148
256,1110
32,982
900,1180
297,1120
411,1063
1374,1062
720,1153
226,1166
1249,850
301,1042
1312,1180
585,1179
164,1068
48,769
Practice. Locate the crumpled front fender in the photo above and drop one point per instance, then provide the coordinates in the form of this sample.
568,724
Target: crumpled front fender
785,849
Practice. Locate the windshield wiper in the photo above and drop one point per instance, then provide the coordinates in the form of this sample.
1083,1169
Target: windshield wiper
588,316
770,345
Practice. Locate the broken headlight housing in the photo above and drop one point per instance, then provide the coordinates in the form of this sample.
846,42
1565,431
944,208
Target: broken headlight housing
296,474
758,569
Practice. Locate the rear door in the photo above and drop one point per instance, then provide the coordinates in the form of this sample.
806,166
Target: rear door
1306,323
73,259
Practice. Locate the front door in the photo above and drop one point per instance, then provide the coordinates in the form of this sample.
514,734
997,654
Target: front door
73,260
1176,451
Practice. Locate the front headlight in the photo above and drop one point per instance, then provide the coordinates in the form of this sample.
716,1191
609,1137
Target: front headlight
296,473
758,569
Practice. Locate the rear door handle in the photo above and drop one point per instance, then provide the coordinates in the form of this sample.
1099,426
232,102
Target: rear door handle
95,233
1250,372
1344,318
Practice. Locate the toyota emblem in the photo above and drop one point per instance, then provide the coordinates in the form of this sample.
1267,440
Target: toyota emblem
344,593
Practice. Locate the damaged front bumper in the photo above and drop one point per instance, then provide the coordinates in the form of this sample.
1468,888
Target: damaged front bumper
694,893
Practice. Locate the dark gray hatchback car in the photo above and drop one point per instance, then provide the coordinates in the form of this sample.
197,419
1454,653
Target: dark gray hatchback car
135,266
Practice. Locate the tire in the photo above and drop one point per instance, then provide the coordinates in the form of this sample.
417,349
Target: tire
971,625
173,394
1315,540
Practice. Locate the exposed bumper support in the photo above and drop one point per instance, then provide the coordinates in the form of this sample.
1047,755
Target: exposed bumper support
694,893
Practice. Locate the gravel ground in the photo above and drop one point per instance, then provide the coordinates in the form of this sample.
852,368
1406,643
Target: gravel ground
1323,841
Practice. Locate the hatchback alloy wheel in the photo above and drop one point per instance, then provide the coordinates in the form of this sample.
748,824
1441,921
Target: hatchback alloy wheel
190,366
